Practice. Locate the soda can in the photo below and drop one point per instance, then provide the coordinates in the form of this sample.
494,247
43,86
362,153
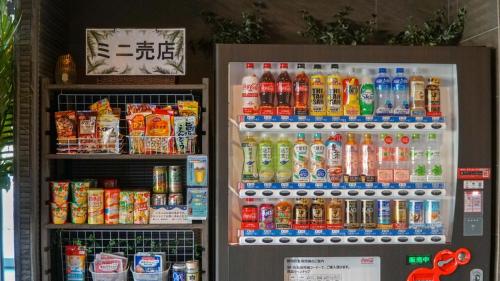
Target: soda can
192,271
175,199
159,199
266,216
174,179
368,214
399,214
432,212
179,272
384,214
334,214
352,214
159,179
416,213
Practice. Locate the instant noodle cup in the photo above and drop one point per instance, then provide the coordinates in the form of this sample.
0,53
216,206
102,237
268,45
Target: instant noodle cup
79,192
111,205
126,210
78,213
59,191
59,212
141,207
96,206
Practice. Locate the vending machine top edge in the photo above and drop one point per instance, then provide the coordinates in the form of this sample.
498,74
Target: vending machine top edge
353,163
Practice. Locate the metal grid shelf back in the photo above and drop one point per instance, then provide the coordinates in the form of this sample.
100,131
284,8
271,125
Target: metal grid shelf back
178,245
83,101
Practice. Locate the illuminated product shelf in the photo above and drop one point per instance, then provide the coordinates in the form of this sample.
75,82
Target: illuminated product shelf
343,236
343,190
341,123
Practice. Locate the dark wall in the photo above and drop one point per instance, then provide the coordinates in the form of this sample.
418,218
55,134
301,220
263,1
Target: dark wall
283,17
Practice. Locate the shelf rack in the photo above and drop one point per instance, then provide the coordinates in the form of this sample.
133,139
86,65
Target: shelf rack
56,166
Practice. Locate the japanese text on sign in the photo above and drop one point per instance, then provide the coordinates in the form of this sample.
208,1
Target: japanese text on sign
135,51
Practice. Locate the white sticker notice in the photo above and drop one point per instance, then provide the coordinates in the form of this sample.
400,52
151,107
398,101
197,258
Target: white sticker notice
332,269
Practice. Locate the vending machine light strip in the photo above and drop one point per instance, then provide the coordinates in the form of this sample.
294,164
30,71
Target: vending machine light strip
343,185
312,119
343,240
436,230
344,193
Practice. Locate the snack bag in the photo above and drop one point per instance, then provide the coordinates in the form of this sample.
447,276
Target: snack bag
102,107
75,262
188,108
136,119
87,131
66,126
108,132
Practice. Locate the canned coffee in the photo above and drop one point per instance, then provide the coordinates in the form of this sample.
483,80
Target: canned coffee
159,199
174,179
175,199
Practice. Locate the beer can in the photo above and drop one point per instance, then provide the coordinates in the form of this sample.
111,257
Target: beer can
399,214
384,214
179,272
368,214
335,214
416,213
432,212
352,214
175,199
159,179
266,216
174,179
192,271
159,199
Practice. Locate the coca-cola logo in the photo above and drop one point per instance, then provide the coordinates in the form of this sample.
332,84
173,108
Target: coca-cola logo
301,88
253,87
267,87
367,260
284,87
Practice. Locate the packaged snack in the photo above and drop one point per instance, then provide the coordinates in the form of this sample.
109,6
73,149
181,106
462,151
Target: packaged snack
185,132
113,256
148,263
87,131
78,213
79,192
144,108
66,126
108,133
59,191
59,212
158,125
141,207
111,205
102,107
96,206
126,211
108,266
75,262
188,108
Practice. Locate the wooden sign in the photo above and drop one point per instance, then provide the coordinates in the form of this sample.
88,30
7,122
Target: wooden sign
136,51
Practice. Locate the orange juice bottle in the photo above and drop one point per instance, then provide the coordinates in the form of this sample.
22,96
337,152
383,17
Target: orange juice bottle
351,94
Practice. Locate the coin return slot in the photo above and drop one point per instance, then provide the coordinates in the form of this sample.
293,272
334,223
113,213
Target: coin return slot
267,125
284,125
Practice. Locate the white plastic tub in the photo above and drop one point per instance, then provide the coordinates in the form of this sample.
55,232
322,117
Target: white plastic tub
160,276
120,276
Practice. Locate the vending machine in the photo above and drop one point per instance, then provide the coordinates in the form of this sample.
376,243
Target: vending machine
353,163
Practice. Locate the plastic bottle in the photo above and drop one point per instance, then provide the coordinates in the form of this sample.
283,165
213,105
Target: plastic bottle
433,97
334,152
265,156
267,91
300,214
250,91
400,92
350,86
433,157
283,214
249,172
367,95
317,212
385,101
417,158
283,158
300,159
385,173
368,157
301,91
317,159
334,92
317,100
417,94
402,159
284,91
351,159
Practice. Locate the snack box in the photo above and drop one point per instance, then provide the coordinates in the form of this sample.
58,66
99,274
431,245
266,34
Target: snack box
149,262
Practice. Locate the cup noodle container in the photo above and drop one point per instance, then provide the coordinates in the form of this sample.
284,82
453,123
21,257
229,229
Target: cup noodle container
126,209
141,207
111,205
59,191
79,191
59,213
78,213
96,206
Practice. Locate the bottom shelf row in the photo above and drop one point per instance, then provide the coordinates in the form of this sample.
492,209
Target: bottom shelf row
335,240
